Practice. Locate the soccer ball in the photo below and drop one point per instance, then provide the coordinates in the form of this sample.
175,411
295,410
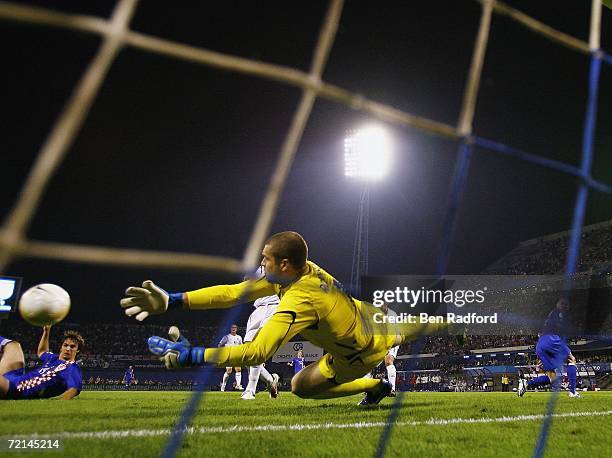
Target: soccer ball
44,305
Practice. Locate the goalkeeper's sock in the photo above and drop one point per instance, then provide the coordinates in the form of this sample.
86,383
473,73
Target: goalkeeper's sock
538,381
265,375
348,389
571,377
391,374
225,377
253,378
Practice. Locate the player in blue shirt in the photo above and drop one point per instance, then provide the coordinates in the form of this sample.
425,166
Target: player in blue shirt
297,362
59,374
553,352
128,377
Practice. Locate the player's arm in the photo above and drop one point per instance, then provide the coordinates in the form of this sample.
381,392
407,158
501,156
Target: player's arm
225,296
294,314
150,299
69,394
43,344
284,324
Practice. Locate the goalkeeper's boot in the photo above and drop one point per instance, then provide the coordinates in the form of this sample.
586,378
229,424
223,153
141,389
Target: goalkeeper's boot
273,387
374,397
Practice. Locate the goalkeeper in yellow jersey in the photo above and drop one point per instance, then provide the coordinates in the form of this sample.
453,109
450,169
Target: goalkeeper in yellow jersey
312,303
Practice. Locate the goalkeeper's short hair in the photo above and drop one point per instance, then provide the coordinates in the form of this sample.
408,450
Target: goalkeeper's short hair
289,245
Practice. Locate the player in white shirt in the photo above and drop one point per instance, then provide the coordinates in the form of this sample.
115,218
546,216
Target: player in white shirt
391,355
231,340
264,309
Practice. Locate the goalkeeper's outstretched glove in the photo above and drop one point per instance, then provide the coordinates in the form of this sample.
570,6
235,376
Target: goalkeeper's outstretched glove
149,300
176,353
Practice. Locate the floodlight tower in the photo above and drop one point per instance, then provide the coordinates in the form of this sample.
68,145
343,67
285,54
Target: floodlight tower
367,154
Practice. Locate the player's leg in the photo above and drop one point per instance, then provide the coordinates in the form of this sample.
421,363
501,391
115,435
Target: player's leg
542,380
11,359
249,392
238,375
333,377
265,376
547,350
11,356
271,380
571,376
4,386
252,328
391,370
553,355
321,381
228,371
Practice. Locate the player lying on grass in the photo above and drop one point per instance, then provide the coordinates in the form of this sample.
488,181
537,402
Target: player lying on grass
59,374
312,303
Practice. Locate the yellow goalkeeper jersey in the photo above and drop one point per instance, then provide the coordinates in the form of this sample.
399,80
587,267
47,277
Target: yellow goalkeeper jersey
315,305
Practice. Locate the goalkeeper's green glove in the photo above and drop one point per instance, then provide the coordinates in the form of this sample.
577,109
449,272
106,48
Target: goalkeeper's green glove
150,299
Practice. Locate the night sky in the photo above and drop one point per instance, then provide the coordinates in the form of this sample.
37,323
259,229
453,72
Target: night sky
176,156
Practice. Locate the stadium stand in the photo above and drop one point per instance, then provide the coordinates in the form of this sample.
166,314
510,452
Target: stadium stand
546,255
442,364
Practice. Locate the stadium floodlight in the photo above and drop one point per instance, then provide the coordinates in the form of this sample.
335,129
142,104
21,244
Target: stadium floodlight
367,153
367,157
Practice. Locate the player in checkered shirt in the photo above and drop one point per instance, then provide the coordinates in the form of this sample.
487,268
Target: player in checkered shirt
59,374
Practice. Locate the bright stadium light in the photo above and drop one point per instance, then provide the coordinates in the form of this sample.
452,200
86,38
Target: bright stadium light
367,153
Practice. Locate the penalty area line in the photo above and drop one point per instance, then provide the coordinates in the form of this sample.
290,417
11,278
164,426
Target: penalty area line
304,427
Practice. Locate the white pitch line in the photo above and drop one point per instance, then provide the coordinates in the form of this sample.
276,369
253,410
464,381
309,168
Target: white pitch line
302,427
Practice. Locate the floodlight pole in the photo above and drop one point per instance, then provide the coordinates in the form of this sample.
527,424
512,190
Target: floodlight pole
359,265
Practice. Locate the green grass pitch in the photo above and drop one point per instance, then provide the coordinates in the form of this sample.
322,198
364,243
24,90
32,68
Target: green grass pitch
124,424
